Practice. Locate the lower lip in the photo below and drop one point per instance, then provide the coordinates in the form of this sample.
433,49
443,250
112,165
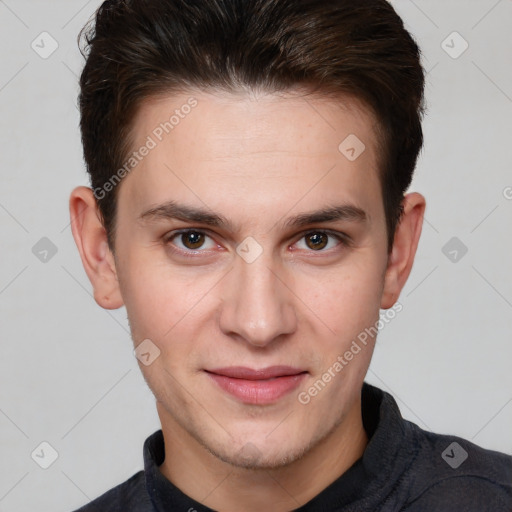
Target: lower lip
258,391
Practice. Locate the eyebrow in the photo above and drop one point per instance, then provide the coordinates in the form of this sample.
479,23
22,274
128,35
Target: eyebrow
173,210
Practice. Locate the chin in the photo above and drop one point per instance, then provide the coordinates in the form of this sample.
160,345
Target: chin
250,456
260,450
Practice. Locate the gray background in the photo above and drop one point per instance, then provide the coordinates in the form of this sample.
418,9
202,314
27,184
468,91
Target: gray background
67,372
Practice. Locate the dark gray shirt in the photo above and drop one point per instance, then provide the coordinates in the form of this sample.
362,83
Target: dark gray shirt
403,468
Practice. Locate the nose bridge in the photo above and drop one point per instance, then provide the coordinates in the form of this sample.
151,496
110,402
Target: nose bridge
258,307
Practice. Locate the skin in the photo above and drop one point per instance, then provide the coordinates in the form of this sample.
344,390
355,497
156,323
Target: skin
257,160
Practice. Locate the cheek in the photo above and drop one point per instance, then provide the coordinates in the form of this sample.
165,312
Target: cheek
143,292
346,300
159,297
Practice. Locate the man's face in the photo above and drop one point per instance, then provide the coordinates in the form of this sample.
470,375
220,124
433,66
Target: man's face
258,291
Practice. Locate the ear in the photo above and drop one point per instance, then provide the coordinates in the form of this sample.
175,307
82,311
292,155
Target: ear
407,236
91,239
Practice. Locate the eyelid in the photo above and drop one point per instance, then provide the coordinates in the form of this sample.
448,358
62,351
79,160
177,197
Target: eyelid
331,232
343,238
168,237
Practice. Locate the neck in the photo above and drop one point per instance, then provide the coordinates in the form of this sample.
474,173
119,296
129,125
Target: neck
221,486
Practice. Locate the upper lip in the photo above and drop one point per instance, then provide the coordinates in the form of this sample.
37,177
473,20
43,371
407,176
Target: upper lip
242,372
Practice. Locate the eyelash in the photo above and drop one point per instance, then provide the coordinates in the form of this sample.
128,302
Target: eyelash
343,239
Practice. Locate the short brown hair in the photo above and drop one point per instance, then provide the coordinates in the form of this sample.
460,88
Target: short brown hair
136,49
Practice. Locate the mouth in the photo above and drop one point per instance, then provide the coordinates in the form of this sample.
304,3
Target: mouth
257,386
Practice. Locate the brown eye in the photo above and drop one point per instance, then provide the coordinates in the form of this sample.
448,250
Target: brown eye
323,241
190,242
192,239
317,241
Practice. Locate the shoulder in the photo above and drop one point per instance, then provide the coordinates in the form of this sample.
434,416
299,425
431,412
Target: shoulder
449,470
129,496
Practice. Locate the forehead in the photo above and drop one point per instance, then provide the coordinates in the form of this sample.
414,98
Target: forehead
248,120
217,148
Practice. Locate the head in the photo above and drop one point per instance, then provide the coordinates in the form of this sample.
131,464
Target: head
249,162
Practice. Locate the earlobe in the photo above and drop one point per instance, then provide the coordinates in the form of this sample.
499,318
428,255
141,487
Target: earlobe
91,240
405,243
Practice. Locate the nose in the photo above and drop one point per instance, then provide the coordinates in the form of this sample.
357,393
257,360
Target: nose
257,303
